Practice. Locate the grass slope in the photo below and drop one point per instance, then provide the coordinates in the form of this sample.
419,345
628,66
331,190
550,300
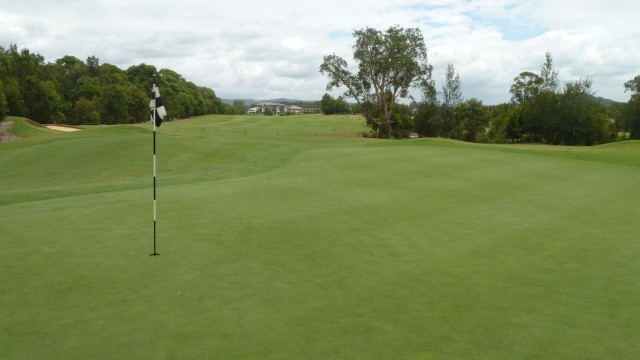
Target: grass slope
282,243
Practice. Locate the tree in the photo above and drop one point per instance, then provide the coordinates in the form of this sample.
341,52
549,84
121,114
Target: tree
187,103
329,105
68,69
45,104
537,97
514,131
499,121
427,119
472,118
93,65
239,107
633,86
50,92
142,76
84,112
583,121
15,102
451,97
546,114
631,115
631,112
113,104
3,103
526,87
402,120
389,63
88,87
111,75
137,104
549,75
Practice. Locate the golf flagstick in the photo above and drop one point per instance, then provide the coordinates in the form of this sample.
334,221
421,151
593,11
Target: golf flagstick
157,113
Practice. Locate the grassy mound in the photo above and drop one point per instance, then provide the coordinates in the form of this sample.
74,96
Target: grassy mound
292,237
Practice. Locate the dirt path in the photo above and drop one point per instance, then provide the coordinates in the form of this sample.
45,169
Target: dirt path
5,132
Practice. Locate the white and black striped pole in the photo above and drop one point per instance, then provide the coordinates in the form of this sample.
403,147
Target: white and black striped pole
157,113
155,214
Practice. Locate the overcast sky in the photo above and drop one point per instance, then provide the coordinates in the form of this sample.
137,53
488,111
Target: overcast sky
269,49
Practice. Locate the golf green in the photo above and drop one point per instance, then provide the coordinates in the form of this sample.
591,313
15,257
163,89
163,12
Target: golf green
295,237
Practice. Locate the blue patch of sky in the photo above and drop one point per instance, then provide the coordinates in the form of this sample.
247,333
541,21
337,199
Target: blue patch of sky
340,34
431,22
511,29
512,6
422,7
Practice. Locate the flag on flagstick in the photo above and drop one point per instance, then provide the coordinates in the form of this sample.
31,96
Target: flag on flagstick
157,107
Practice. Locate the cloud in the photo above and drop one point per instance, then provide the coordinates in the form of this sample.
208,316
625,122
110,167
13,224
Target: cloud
294,43
255,49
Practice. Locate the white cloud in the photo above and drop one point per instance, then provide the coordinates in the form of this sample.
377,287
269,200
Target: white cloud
258,49
294,43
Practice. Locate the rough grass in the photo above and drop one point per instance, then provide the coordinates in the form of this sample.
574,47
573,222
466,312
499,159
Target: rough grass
294,245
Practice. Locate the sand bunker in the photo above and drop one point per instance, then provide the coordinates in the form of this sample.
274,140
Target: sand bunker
62,128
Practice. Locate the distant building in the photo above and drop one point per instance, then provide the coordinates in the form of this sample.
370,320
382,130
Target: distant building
295,109
279,109
310,110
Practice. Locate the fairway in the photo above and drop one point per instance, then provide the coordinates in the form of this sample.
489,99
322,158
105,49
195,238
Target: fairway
296,238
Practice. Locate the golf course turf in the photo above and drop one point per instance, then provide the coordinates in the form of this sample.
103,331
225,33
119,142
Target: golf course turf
296,238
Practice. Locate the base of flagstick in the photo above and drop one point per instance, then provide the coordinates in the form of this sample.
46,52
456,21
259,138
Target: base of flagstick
154,254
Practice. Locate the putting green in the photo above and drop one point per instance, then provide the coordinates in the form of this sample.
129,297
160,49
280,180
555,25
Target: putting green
293,237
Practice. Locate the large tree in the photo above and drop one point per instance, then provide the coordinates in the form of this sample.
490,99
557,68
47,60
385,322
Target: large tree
389,63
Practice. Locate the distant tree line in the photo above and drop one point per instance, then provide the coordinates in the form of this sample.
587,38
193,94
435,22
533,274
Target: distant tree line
86,92
541,110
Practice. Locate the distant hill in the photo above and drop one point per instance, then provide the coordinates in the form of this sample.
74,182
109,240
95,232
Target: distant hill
605,102
301,103
247,102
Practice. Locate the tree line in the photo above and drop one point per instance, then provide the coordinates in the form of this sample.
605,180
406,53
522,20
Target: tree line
390,63
73,91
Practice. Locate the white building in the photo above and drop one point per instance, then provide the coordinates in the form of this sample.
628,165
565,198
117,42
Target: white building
279,109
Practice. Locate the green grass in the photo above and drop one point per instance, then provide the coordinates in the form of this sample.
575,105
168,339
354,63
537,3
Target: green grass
283,238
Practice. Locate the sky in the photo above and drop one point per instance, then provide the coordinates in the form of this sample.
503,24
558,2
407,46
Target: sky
254,49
